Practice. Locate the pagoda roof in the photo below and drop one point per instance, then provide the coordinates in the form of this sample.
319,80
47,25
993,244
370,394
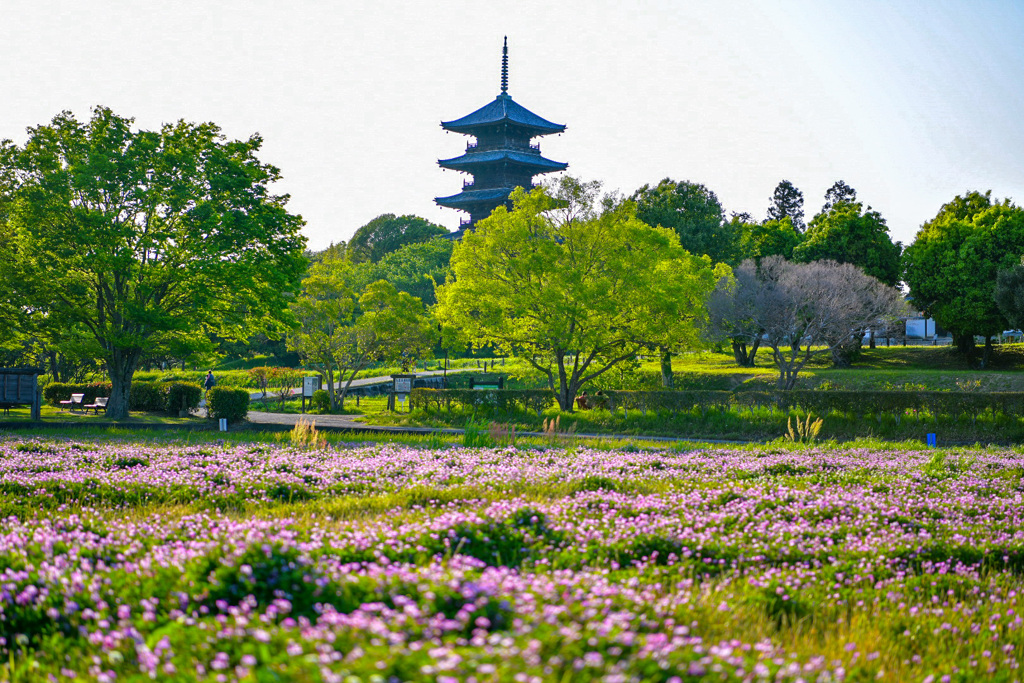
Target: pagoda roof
503,110
470,159
470,197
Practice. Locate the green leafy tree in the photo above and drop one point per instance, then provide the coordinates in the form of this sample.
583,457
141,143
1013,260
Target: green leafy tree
323,311
148,239
771,238
345,324
951,267
387,233
572,289
694,213
1009,294
392,327
414,268
787,201
849,234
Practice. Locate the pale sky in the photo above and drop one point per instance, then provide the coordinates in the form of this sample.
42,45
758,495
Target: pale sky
910,102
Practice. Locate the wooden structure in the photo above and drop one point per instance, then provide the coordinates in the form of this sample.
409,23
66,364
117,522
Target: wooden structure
502,158
20,387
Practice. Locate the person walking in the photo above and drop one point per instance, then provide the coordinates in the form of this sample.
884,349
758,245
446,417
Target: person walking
208,384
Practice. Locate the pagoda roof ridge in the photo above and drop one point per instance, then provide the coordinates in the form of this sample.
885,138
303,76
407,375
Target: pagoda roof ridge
470,159
503,109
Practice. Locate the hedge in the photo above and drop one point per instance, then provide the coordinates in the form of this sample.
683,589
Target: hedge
536,400
183,396
853,403
55,392
225,402
152,397
147,397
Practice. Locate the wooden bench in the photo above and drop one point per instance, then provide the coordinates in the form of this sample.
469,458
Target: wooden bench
101,402
76,400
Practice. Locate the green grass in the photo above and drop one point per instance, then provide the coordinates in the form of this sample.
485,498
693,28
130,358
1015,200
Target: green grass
924,368
53,414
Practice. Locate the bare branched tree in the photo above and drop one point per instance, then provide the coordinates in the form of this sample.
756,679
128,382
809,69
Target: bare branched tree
799,310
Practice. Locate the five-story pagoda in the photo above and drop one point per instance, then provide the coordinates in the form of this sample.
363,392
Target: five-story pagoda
502,157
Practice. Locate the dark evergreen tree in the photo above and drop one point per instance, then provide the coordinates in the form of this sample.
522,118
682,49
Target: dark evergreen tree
787,200
839,192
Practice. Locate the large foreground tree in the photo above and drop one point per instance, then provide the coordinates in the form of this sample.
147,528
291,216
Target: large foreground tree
149,240
572,289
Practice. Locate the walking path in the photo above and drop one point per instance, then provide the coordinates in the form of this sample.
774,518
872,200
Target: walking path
364,382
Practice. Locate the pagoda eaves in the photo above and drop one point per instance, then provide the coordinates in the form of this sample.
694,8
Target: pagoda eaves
503,110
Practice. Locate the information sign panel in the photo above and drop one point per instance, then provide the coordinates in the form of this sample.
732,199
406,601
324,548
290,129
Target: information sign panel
403,385
309,385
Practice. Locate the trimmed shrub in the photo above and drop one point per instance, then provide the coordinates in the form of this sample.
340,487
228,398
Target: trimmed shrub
321,401
232,404
183,396
148,397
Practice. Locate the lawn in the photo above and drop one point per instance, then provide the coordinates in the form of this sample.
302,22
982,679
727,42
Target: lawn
230,560
52,414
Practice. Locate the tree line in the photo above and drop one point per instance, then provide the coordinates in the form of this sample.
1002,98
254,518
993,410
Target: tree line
122,245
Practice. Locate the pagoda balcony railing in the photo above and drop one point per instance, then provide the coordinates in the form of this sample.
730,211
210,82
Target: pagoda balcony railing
468,184
465,221
529,149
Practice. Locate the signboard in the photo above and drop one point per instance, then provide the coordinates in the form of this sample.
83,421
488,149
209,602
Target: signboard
403,385
309,385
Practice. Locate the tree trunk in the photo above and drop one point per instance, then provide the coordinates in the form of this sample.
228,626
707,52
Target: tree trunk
566,393
54,366
744,355
667,379
739,353
121,366
964,342
987,353
344,388
330,387
871,343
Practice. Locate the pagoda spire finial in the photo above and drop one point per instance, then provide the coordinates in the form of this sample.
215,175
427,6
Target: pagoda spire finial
504,68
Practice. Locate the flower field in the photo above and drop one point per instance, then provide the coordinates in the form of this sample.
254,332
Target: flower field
217,562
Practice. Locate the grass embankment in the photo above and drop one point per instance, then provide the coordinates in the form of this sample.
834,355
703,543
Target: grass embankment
186,561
